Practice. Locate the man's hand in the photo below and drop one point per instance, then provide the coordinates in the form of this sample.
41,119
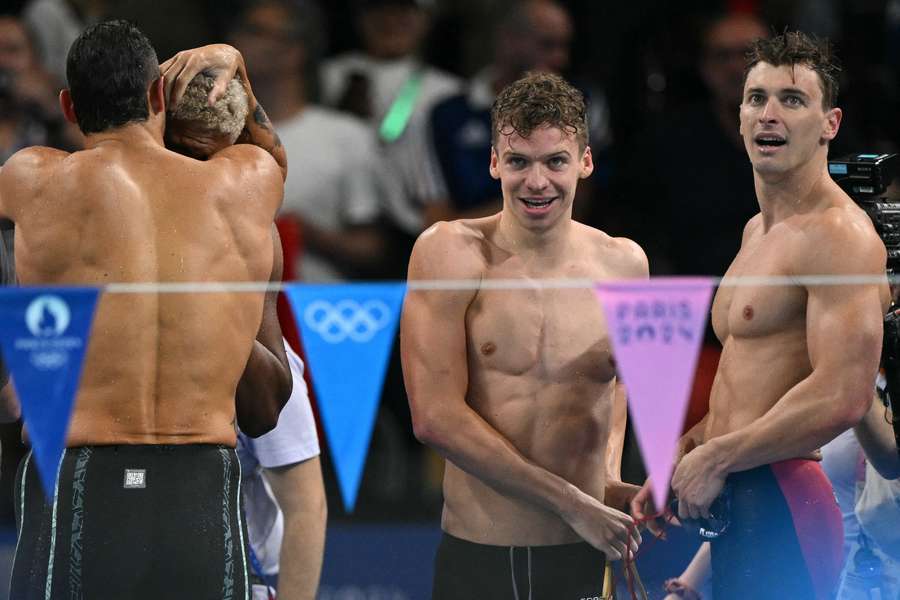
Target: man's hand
618,494
686,444
604,528
217,60
643,510
697,482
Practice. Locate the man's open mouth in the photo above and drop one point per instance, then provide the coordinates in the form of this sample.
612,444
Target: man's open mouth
770,140
537,202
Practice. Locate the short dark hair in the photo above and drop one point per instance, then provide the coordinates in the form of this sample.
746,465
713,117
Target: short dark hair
539,99
797,48
109,68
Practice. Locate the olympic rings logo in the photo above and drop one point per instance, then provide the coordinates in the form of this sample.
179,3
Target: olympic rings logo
347,319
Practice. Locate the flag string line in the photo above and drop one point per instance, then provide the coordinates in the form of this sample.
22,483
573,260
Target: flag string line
497,284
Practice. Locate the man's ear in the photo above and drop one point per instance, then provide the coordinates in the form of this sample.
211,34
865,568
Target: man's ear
587,163
67,106
495,163
832,123
156,96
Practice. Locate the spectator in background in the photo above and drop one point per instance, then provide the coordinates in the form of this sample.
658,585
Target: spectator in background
56,24
874,557
331,186
688,179
534,35
389,85
29,109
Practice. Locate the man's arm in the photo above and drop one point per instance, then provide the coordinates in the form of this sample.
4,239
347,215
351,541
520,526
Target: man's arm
223,62
618,494
300,493
265,385
616,443
433,350
10,409
876,436
843,333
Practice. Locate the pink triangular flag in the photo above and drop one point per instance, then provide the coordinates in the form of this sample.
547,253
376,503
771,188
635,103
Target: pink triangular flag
656,327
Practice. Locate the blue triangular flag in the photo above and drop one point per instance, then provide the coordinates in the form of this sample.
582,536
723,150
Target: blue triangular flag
348,331
43,334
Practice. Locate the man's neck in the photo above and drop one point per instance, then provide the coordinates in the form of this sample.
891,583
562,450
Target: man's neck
131,134
783,195
549,243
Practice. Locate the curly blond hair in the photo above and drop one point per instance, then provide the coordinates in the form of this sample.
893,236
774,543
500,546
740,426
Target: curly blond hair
227,116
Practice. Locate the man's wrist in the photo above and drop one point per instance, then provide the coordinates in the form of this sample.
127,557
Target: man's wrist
722,463
567,501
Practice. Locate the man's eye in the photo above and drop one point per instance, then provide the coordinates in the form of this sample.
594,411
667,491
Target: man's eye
516,162
557,162
793,101
755,98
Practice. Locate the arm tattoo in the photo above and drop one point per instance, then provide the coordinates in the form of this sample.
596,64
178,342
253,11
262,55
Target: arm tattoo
261,118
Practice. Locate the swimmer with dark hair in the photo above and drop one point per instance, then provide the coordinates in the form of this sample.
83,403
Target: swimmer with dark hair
147,500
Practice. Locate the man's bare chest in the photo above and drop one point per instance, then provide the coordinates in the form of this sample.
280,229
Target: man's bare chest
556,334
756,297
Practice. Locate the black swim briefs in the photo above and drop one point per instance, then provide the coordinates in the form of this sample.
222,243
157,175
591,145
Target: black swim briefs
136,522
466,571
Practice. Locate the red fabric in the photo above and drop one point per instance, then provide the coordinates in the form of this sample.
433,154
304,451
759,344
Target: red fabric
292,246
817,520
743,7
707,364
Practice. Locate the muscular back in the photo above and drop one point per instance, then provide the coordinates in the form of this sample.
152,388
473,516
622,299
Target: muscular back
160,368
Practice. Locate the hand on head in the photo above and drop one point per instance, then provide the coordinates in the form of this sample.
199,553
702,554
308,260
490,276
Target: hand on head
221,61
198,129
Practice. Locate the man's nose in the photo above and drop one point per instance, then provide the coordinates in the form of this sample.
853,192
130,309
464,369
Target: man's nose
537,178
771,112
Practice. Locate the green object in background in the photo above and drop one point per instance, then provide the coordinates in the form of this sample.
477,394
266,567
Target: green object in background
397,118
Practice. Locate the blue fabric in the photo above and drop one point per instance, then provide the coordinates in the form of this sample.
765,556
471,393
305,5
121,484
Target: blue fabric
462,139
348,332
43,334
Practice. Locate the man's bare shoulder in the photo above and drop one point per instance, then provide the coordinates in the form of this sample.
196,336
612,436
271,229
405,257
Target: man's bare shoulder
247,156
451,250
842,240
32,160
751,227
622,256
25,173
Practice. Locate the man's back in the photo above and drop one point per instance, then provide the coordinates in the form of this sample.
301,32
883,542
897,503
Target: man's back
160,368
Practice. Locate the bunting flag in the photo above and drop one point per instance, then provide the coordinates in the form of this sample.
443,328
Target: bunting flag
43,336
657,327
348,332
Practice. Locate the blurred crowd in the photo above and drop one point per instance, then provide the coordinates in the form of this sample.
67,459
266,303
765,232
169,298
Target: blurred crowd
384,109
